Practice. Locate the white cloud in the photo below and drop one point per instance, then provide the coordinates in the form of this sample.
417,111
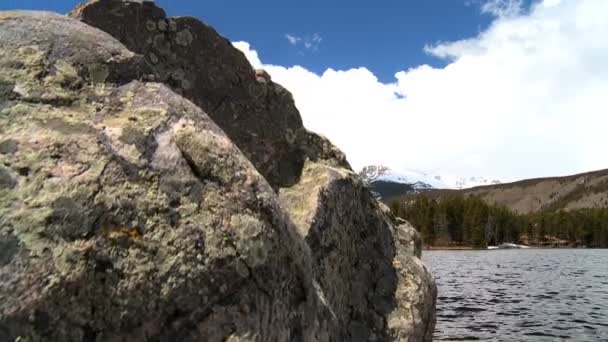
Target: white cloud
525,98
252,55
311,43
503,8
293,40
551,3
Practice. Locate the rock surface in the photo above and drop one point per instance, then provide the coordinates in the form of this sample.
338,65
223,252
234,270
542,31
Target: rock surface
127,213
368,270
257,114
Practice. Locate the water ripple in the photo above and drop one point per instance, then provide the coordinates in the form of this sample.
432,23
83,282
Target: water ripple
521,295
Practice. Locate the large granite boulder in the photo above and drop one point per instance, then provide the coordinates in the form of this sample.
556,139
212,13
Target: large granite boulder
127,214
194,60
368,268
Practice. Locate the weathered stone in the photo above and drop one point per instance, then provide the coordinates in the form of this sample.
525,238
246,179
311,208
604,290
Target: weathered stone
127,214
7,182
414,318
8,146
216,77
9,247
408,237
144,223
377,288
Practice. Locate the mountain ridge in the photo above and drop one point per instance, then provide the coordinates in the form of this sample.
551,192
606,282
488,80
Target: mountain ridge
578,191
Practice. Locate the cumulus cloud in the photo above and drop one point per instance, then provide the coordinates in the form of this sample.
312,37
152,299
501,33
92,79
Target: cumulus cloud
525,98
252,55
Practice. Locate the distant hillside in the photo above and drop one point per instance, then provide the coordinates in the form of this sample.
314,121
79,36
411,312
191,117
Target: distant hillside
586,190
388,189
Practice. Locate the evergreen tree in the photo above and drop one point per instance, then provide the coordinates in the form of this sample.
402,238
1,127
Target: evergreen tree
469,221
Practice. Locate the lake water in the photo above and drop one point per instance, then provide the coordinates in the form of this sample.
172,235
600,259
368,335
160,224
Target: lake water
521,294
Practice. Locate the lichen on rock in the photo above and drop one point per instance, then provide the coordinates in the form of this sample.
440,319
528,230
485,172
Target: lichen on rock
246,104
366,273
100,237
129,212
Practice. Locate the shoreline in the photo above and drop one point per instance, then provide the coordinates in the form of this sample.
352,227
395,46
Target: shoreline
450,248
469,248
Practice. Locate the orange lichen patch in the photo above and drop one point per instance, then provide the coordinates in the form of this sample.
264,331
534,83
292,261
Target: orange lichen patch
122,232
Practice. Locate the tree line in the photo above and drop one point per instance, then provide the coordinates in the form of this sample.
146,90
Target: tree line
468,221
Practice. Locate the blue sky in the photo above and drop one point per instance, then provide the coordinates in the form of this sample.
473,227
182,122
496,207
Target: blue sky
505,89
353,33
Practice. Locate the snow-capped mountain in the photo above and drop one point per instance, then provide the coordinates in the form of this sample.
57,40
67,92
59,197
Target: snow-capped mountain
387,182
419,180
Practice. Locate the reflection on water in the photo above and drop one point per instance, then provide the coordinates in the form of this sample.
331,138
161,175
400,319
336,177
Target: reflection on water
521,295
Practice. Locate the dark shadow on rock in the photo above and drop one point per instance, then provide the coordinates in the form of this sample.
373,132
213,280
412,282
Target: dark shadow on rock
257,114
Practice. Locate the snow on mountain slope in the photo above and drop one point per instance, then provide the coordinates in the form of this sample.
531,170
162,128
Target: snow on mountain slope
455,182
422,180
